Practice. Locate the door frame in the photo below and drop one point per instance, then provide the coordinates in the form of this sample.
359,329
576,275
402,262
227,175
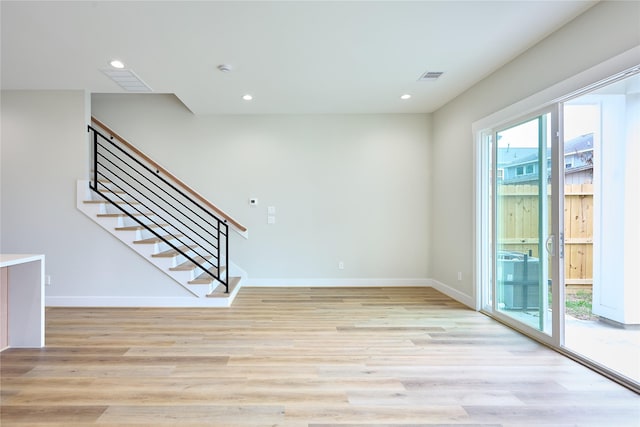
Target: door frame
486,224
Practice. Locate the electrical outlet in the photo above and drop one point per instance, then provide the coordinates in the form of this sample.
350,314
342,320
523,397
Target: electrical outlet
47,280
459,275
341,265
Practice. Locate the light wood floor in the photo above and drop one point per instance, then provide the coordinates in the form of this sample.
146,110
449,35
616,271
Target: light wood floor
302,357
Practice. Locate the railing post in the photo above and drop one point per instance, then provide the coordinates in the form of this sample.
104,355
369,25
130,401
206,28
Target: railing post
226,254
95,160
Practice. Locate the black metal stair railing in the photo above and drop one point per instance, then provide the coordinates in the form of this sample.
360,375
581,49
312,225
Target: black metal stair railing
153,202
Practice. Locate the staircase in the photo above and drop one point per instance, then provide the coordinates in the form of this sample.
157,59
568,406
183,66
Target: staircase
161,218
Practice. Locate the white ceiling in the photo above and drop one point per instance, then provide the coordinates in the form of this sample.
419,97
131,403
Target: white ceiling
293,57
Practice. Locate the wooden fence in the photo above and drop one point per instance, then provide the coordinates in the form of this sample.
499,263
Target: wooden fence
518,210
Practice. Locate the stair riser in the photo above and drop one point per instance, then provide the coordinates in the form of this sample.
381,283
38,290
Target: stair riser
147,234
108,208
153,248
127,221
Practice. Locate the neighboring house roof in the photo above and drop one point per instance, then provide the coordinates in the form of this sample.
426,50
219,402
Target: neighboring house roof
519,156
511,156
579,144
519,164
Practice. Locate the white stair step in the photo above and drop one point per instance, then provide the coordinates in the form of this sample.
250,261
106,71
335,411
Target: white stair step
188,265
219,291
205,278
122,215
117,202
172,252
154,240
140,227
107,190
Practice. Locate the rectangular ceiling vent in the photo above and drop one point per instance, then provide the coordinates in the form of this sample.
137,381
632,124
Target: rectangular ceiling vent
127,80
430,76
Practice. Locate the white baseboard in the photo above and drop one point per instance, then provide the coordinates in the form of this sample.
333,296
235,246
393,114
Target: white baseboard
122,301
328,283
462,298
177,302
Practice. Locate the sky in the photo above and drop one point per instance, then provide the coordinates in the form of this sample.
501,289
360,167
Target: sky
579,119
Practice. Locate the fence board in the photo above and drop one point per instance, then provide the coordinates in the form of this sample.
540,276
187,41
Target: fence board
518,207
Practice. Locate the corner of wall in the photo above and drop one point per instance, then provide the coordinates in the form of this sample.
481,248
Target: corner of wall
455,294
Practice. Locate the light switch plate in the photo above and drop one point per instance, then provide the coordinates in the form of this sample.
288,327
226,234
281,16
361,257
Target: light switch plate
271,210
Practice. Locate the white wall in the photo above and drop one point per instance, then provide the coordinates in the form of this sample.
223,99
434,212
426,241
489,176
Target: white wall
351,188
391,196
44,151
607,29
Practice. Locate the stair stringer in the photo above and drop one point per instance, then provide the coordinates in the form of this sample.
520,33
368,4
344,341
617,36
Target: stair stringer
199,292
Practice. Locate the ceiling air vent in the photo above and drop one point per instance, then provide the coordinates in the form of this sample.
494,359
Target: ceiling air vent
430,76
127,80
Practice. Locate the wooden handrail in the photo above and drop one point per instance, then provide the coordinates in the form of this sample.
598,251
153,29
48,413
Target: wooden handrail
168,174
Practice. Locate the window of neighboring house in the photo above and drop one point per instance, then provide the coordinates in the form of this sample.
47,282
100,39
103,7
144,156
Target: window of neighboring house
529,169
519,171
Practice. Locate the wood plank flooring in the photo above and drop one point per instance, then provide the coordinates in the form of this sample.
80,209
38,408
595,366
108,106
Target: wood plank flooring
394,357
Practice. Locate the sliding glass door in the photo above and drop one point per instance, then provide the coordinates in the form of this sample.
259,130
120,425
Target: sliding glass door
523,237
558,225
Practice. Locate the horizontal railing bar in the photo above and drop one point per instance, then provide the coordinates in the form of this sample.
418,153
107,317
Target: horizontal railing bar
160,216
165,228
159,177
174,247
218,221
194,193
215,227
181,222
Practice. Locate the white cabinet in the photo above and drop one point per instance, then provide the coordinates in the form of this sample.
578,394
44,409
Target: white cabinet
22,301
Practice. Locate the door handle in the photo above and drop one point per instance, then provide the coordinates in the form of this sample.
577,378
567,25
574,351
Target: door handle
549,244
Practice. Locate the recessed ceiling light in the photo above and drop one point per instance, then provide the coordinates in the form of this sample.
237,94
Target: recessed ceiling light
116,63
405,96
247,97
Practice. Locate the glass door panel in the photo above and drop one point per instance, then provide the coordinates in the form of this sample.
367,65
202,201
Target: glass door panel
602,178
522,222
